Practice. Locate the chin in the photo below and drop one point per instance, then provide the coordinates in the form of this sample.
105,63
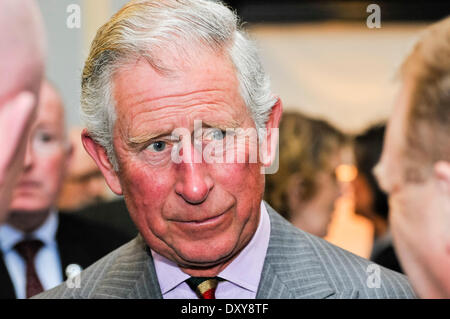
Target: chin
29,207
205,255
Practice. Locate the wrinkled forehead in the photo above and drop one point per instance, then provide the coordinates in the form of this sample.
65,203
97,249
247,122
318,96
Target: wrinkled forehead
207,85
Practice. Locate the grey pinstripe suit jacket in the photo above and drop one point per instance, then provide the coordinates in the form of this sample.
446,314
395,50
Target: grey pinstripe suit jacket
297,265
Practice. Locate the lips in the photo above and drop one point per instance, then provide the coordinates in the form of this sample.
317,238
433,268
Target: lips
27,188
197,219
209,219
28,184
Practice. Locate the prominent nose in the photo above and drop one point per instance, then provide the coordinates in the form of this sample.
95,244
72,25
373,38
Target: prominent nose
194,182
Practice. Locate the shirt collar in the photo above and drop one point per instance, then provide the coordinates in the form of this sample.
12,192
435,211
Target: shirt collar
254,254
169,274
237,272
9,236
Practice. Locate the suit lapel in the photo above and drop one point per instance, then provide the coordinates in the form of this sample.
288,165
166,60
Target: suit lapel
6,286
132,275
291,267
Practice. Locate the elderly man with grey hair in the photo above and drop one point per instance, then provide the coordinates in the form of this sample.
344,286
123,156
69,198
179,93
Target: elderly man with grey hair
22,50
166,81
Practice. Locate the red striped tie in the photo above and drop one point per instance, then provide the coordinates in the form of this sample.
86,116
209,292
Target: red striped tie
205,287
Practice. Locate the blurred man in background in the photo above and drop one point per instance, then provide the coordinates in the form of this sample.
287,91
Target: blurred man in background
415,164
22,51
370,201
85,192
41,247
84,184
305,188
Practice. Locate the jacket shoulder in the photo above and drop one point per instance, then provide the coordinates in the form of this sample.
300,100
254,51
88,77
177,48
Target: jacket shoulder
349,272
350,276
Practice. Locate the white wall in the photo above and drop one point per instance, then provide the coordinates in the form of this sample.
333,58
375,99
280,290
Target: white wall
343,72
64,60
340,72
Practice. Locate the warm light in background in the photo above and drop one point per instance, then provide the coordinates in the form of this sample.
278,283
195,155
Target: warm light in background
346,173
348,229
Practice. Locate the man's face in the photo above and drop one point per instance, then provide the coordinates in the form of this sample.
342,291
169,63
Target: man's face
46,158
197,214
418,210
84,183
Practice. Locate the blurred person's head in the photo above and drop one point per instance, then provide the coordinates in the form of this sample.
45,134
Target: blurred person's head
22,51
415,165
156,67
370,201
46,160
305,187
22,48
84,183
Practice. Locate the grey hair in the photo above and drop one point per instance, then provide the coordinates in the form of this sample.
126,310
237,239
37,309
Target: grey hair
142,29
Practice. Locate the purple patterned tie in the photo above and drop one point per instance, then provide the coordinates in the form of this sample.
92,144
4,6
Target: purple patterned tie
28,249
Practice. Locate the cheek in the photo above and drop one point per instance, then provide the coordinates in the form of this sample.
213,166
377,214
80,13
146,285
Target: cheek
239,179
245,184
406,219
147,187
146,191
52,172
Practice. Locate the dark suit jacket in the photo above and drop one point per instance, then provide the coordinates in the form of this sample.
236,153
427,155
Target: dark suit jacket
387,257
113,213
80,241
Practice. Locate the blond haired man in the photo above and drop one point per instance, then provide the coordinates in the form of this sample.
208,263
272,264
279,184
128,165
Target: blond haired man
415,165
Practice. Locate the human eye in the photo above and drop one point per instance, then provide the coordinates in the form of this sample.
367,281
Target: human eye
44,137
214,134
157,146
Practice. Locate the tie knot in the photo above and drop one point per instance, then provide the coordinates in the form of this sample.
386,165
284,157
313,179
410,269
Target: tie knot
28,248
205,287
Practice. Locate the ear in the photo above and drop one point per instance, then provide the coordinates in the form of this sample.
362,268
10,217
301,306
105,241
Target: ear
270,143
98,154
442,173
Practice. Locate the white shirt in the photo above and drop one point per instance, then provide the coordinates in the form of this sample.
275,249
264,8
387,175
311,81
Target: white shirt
241,276
47,260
